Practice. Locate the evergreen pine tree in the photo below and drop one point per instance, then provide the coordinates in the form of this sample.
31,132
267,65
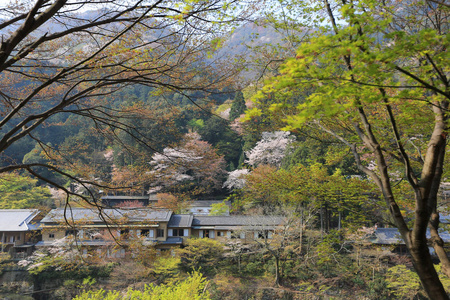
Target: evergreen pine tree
238,107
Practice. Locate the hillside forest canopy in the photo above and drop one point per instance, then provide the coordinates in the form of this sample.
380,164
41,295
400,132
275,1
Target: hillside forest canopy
333,114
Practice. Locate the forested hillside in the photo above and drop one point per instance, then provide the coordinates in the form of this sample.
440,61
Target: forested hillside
154,121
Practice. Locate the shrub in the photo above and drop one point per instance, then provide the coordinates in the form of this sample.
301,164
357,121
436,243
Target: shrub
192,287
201,253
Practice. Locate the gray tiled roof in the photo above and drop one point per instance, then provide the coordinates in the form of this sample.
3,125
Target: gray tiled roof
109,215
386,236
237,220
17,219
126,197
207,203
389,236
444,217
180,221
172,240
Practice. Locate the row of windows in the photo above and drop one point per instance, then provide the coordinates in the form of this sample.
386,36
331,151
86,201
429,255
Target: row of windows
95,234
177,232
263,234
12,239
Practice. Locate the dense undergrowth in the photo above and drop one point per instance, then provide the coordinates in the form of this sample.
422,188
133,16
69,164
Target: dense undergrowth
205,269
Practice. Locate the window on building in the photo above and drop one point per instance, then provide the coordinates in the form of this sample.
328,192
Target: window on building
71,232
234,235
264,234
220,233
145,232
159,232
178,232
93,234
206,233
51,235
124,233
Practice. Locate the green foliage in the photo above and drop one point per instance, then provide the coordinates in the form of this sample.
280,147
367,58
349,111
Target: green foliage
202,253
364,64
238,106
219,209
38,155
377,288
166,267
193,287
374,78
254,268
196,124
403,282
309,187
21,192
218,133
325,249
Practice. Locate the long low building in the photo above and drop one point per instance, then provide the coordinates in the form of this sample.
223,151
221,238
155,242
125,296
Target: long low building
157,227
101,227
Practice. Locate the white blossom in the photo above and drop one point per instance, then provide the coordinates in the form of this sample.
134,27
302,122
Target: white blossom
225,113
82,186
24,263
109,155
236,179
271,149
193,161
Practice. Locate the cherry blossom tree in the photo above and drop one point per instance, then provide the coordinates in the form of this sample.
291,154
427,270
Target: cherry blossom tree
236,179
194,165
271,149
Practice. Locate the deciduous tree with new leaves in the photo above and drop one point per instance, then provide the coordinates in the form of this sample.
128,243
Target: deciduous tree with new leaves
21,192
375,81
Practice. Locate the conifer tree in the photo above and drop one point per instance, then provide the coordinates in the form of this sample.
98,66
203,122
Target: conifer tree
238,107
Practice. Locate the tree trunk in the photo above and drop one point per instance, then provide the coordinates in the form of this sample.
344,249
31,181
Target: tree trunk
339,221
321,222
438,244
424,267
239,262
436,240
277,270
301,231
